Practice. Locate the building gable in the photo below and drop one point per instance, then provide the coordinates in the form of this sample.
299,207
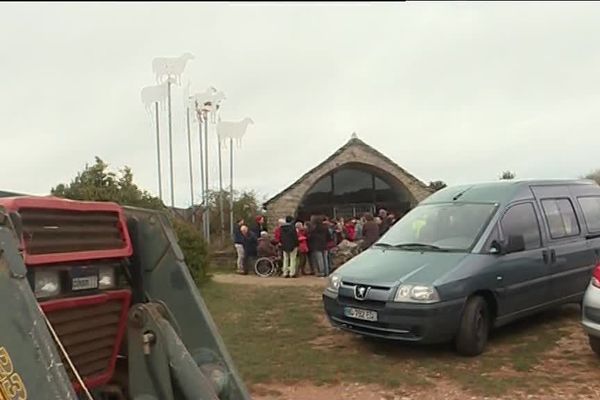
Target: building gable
354,151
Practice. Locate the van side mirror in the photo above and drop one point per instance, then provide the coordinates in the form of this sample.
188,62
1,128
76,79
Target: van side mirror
515,243
496,248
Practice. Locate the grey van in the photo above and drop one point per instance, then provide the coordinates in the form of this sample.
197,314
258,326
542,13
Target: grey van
470,258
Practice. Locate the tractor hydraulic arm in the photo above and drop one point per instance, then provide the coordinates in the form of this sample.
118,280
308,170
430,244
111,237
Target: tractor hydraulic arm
160,365
171,335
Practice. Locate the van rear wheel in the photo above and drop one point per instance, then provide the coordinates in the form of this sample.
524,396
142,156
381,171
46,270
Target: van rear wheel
595,344
474,327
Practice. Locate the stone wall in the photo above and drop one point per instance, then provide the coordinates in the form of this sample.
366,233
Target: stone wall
356,151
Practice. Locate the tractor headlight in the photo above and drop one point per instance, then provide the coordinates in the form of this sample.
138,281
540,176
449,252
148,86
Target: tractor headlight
106,278
416,294
46,283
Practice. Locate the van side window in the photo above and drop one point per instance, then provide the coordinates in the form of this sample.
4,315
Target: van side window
521,220
591,212
561,218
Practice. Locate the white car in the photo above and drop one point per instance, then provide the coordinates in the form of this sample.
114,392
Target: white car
591,311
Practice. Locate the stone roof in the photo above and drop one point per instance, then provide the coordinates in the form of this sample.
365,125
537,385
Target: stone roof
354,141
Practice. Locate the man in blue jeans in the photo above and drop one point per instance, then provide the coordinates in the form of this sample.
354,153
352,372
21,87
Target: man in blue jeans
318,236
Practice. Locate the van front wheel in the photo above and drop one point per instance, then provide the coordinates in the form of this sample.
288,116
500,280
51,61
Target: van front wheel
474,327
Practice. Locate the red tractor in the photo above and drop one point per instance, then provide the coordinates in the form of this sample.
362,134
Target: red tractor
124,318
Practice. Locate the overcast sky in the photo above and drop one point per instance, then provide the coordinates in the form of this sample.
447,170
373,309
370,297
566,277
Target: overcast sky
457,92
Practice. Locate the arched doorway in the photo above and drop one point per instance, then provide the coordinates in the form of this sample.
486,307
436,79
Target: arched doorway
352,190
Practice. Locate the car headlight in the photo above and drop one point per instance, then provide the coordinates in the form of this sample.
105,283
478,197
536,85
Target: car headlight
416,294
106,278
334,283
46,283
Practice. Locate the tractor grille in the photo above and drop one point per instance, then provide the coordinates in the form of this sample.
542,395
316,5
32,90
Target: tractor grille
89,335
48,231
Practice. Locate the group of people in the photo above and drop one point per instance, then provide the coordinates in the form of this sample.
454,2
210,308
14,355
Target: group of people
305,247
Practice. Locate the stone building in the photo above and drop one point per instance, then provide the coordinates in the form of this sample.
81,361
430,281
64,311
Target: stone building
353,180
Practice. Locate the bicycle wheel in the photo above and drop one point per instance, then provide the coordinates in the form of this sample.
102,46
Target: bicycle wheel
264,267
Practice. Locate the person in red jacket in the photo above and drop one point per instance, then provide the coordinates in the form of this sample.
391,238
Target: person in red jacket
302,249
350,230
277,231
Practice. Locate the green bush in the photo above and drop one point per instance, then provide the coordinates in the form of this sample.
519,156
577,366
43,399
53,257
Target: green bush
194,249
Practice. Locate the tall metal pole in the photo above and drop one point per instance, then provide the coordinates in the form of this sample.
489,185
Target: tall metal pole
170,141
189,138
202,187
158,151
221,192
231,186
206,180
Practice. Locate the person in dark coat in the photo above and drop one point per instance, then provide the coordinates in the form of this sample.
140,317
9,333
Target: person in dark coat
385,222
250,247
289,246
318,237
370,231
259,226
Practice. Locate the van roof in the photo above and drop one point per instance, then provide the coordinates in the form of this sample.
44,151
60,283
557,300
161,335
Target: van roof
497,192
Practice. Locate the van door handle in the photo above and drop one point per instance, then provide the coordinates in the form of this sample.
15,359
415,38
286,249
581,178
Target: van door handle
552,256
545,256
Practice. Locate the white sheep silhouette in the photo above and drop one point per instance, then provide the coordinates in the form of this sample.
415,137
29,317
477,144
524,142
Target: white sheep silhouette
233,130
166,67
154,94
210,96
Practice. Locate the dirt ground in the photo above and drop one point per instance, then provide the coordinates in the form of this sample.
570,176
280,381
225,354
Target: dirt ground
566,370
348,391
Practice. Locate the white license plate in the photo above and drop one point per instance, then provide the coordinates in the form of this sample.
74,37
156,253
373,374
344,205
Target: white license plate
84,283
359,313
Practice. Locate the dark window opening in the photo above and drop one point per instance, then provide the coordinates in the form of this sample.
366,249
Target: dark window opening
591,212
521,220
561,218
350,192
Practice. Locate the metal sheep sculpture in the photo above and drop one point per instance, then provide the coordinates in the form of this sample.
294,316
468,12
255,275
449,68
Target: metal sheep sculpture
233,130
166,67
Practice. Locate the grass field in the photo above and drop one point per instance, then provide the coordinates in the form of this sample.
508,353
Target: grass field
279,335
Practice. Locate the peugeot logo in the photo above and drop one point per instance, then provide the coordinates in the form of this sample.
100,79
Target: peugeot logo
360,292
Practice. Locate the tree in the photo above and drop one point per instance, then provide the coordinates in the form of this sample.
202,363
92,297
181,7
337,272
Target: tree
595,176
437,185
97,183
245,206
508,175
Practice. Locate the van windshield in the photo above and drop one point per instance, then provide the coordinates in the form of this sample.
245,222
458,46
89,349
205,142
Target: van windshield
439,227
